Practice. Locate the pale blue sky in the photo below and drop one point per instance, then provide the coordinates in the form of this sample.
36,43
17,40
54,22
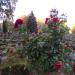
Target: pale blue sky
41,8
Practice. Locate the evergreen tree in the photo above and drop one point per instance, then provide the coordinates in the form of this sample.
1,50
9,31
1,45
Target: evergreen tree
5,26
31,23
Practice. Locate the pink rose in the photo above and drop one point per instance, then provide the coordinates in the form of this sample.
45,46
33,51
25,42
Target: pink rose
46,21
55,19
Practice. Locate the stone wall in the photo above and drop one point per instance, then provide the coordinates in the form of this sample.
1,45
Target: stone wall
11,39
70,38
17,38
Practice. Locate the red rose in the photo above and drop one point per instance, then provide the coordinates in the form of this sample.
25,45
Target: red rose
18,22
55,19
46,21
57,66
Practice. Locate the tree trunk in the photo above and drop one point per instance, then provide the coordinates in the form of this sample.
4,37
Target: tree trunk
0,72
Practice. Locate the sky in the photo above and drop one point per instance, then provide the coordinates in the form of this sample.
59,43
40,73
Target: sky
41,8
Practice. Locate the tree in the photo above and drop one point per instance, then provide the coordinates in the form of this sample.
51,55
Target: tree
5,26
6,8
31,23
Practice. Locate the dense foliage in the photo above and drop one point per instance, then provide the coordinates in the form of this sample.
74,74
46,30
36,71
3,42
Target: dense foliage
42,52
45,50
5,26
31,23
